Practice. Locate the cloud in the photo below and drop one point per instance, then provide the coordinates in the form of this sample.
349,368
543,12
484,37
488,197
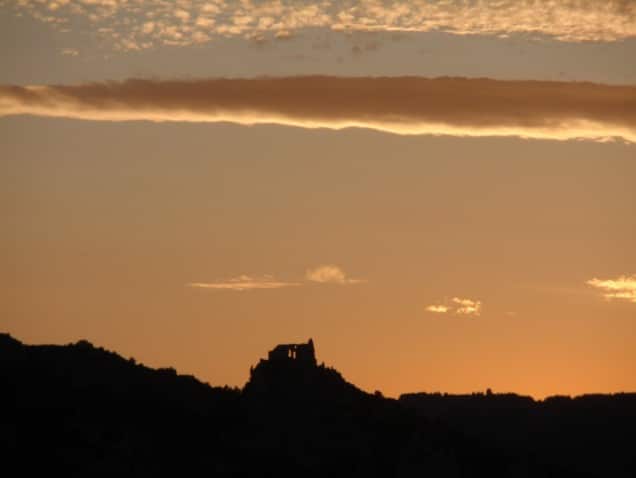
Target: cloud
467,306
182,23
401,105
69,51
330,274
457,306
244,283
327,274
623,287
438,309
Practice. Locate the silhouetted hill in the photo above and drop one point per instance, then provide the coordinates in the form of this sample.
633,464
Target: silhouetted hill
589,434
84,411
308,420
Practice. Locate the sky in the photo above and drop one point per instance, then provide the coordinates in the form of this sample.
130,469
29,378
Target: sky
439,193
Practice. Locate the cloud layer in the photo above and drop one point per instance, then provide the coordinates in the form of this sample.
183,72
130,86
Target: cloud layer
622,288
402,105
135,25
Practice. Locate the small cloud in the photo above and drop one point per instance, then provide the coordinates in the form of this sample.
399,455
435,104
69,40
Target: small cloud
244,283
69,51
283,35
467,306
457,306
623,287
148,27
182,15
330,274
438,309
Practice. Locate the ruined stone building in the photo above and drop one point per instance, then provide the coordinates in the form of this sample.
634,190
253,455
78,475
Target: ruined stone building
303,353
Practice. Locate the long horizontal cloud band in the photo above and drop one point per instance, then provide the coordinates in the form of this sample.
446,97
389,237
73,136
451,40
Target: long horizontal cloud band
403,105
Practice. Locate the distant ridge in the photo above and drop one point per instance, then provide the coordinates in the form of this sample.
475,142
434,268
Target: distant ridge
80,410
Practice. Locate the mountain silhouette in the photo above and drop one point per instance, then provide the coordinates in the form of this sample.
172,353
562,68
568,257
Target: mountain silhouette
80,410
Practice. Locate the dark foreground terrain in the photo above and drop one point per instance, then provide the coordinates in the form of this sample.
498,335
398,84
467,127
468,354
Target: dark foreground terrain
83,411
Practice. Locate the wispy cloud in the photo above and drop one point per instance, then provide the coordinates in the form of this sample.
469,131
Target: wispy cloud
401,105
438,309
457,306
326,274
127,24
244,283
330,274
622,288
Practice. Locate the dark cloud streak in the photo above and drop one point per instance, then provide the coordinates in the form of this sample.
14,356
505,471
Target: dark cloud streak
409,105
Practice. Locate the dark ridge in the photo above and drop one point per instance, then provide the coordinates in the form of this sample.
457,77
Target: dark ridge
80,410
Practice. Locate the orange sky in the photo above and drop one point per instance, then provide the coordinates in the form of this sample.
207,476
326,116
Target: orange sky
416,262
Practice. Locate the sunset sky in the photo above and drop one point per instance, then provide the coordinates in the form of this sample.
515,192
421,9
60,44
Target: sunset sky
442,194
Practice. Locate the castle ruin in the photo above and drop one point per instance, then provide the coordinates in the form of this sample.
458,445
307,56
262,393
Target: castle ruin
303,353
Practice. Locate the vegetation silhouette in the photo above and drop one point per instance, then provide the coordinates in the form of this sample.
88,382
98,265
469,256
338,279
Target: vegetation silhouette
80,410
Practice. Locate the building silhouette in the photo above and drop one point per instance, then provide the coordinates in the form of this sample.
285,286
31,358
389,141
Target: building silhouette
302,353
